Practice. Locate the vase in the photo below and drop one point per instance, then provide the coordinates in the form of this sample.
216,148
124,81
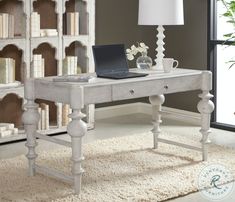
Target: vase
144,61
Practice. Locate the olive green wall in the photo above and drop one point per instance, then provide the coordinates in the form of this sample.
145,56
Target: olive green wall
116,22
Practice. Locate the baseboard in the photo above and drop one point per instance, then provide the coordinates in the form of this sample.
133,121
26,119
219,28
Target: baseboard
145,108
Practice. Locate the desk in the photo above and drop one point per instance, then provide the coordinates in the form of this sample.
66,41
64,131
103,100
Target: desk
100,90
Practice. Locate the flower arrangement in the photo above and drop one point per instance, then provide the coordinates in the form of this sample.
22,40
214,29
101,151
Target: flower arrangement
134,50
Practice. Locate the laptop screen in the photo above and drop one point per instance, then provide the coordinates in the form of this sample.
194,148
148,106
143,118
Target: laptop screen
110,58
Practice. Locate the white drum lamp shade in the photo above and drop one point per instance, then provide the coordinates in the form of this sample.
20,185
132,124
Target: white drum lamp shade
160,12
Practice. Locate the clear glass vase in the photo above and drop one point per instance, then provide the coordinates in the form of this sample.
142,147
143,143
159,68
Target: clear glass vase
144,61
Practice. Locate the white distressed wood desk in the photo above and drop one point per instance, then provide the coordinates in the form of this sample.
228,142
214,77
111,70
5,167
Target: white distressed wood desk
155,85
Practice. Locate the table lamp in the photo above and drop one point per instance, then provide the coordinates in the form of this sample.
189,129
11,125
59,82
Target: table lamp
160,12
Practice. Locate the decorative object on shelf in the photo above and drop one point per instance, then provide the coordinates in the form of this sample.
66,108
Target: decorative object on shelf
48,32
6,25
7,70
43,111
70,66
35,24
160,12
72,21
168,64
38,66
7,129
143,61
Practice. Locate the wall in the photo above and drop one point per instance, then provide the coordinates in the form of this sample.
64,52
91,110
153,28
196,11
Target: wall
116,22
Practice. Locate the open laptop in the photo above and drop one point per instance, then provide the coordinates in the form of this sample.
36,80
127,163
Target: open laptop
111,62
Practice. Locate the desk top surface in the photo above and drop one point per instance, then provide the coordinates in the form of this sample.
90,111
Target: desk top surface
153,74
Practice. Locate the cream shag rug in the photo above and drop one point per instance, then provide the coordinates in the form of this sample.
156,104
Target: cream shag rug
118,169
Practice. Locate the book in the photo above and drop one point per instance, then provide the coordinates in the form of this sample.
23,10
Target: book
3,71
35,24
68,27
72,24
47,122
11,25
48,32
44,116
1,26
70,17
65,113
3,128
11,70
40,120
43,127
5,17
76,23
38,66
7,125
75,61
6,133
43,67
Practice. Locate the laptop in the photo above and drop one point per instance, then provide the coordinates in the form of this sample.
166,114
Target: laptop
111,62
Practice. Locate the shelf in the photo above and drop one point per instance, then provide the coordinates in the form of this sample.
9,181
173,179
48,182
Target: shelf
22,136
19,91
18,42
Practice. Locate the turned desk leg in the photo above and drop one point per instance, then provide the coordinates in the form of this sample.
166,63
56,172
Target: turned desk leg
205,107
30,119
77,129
156,102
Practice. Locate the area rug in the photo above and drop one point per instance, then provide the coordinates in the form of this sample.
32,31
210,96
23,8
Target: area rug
117,169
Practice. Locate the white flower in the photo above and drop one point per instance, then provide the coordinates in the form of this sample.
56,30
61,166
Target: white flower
144,46
131,52
130,57
134,50
128,50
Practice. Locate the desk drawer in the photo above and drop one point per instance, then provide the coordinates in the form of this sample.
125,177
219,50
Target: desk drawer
137,89
155,87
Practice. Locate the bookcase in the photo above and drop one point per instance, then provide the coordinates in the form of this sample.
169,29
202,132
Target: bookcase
54,49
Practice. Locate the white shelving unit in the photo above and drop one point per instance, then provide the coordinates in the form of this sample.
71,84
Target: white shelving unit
27,45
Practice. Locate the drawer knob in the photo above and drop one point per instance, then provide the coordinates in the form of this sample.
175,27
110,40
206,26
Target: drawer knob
132,91
166,87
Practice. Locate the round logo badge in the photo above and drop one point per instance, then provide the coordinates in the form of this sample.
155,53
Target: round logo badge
213,182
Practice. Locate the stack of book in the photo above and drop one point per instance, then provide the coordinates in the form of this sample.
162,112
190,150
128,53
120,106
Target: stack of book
43,123
48,32
65,112
7,129
35,24
70,66
6,25
7,70
38,66
72,22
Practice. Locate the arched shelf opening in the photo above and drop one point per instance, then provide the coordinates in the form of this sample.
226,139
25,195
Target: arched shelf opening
11,110
49,55
80,7
15,8
48,21
80,51
11,51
